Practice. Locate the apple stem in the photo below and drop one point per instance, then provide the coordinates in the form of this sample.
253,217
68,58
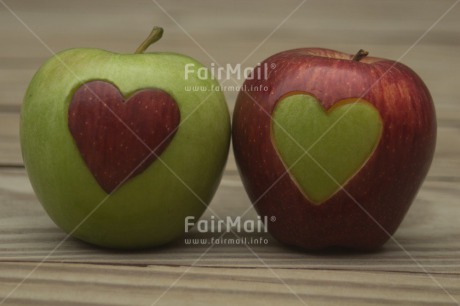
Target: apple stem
360,55
154,36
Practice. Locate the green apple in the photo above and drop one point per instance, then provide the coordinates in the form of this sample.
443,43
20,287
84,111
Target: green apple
118,150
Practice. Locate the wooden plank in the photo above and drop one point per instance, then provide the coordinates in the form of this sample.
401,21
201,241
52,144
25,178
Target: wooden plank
13,84
10,152
16,73
127,285
83,19
447,149
430,234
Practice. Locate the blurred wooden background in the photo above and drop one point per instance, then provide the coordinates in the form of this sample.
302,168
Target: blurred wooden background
35,269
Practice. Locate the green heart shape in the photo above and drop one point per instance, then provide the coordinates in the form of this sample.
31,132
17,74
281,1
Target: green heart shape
323,149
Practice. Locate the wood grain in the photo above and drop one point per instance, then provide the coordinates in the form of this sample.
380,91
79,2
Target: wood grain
129,285
421,266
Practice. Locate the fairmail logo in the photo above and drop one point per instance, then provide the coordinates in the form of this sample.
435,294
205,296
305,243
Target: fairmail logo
227,225
228,72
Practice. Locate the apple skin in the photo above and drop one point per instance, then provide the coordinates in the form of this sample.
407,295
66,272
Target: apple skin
148,209
381,191
98,115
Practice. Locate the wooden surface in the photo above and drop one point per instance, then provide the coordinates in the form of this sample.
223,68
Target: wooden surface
420,266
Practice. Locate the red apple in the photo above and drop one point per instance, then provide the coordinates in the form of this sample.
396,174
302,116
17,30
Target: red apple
334,146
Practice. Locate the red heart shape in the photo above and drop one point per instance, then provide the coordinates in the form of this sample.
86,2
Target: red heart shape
117,139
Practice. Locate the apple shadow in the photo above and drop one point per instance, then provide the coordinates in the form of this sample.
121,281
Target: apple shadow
206,240
80,244
333,251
